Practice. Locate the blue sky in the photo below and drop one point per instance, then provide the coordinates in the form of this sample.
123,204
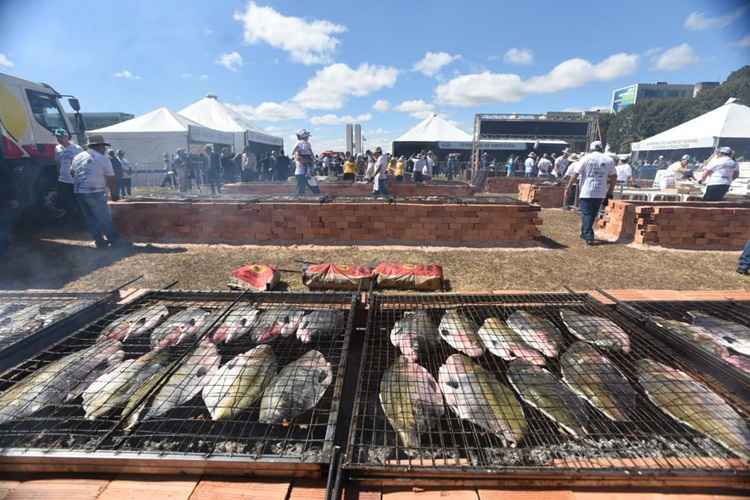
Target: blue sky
292,64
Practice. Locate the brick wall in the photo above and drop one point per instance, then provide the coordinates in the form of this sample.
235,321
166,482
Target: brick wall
546,196
328,223
508,185
402,189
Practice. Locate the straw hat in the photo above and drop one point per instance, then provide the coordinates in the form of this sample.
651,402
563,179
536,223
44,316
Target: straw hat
96,140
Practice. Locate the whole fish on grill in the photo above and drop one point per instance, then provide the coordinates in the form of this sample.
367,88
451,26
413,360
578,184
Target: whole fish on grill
21,322
414,334
502,341
181,327
51,384
298,387
596,330
476,395
730,334
237,324
114,388
545,392
411,400
186,382
596,379
693,404
7,308
59,313
320,324
539,333
697,335
136,323
239,383
274,323
460,332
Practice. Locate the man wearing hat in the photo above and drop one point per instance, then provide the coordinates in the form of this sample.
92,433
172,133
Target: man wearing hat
719,174
529,165
65,151
92,172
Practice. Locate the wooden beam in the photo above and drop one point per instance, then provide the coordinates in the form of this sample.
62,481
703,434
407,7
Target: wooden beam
240,490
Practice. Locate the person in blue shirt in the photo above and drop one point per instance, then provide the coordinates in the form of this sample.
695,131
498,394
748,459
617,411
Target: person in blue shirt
509,167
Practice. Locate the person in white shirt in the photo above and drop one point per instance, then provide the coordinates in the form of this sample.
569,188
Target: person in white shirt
624,172
380,172
92,172
419,166
303,160
674,171
561,165
126,186
430,161
544,166
598,175
719,174
529,165
65,151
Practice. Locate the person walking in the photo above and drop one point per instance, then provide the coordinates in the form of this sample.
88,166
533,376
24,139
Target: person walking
350,168
529,165
170,176
380,175
624,173
400,168
213,170
65,151
126,187
92,172
744,265
117,168
304,159
598,175
719,174
544,166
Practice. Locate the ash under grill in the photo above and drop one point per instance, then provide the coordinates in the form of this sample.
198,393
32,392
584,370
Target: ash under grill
150,400
556,433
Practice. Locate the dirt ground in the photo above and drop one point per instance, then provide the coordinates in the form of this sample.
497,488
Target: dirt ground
70,262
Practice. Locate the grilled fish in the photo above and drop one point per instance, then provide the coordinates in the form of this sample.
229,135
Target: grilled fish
115,387
298,387
237,324
691,403
597,380
182,327
22,322
476,395
413,334
50,385
730,334
239,383
502,341
136,323
696,334
274,323
411,400
320,324
545,392
539,333
596,330
460,332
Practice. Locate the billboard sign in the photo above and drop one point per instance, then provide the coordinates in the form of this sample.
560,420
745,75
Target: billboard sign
624,97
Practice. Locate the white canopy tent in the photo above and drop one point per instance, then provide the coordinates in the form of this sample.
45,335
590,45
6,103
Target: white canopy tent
212,113
146,138
434,129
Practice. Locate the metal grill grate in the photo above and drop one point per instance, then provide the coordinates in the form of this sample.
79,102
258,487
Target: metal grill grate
162,375
555,432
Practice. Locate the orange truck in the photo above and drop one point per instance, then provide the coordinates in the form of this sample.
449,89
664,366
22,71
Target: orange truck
29,113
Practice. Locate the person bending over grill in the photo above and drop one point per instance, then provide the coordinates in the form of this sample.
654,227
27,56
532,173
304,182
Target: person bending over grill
719,174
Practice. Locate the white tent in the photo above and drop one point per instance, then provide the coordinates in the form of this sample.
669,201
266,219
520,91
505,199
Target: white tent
434,129
212,113
146,138
728,122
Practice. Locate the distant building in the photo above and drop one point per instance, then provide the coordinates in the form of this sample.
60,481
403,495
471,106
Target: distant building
358,138
95,121
349,138
640,92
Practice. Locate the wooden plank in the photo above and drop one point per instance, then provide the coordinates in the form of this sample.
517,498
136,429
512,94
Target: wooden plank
141,488
359,492
615,495
240,490
308,490
525,494
6,486
431,494
58,489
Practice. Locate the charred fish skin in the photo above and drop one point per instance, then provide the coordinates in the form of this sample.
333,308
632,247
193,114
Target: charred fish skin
179,328
502,341
596,379
52,384
21,322
136,323
545,392
237,324
269,325
693,404
539,333
734,336
696,334
239,383
596,330
477,396
297,388
411,400
460,332
413,334
320,324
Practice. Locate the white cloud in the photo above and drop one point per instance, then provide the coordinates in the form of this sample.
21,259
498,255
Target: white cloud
381,105
487,87
203,77
652,52
232,61
676,58
331,119
699,20
433,62
5,61
126,75
416,108
308,42
742,42
519,56
269,111
331,86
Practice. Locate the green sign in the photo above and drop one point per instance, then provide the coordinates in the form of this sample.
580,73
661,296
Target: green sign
624,97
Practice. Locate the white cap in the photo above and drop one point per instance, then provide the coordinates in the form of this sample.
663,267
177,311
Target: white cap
595,145
725,150
685,157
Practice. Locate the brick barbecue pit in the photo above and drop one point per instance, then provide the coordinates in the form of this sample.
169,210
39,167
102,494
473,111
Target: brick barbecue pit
544,195
400,189
235,219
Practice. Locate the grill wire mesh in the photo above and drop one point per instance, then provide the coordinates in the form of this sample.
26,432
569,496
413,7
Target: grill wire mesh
647,441
108,416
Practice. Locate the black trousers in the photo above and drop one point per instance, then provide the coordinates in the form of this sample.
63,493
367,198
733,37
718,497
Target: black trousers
715,193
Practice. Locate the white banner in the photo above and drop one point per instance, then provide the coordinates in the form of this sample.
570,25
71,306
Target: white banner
209,136
264,138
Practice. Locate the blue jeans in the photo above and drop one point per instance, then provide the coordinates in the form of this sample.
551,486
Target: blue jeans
745,257
97,216
382,187
301,183
589,210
